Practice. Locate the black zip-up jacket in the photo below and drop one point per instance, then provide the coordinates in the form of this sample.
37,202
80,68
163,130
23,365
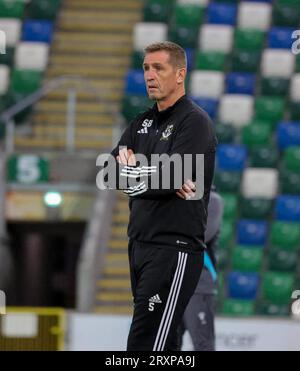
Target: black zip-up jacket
159,216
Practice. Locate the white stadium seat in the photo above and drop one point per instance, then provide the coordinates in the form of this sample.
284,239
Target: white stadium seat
216,38
4,79
12,29
295,88
260,182
277,63
254,15
193,2
236,109
148,33
207,84
32,56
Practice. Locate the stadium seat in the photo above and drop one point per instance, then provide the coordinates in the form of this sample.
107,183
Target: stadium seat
209,105
288,208
255,208
288,134
186,37
206,84
245,61
211,61
230,206
135,83
269,109
11,8
294,111
187,14
280,38
255,135
222,14
4,79
12,30
260,183
291,159
295,88
264,156
37,31
298,63
265,308
226,235
227,181
147,33
31,56
277,63
231,157
249,40
216,38
236,109
137,60
25,81
290,182
285,235
8,57
254,15
243,285
44,9
157,10
286,16
252,232
238,308
247,260
222,258
133,105
277,287
282,260
274,86
225,133
240,83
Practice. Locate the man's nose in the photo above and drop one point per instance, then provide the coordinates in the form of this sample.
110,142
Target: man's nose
149,75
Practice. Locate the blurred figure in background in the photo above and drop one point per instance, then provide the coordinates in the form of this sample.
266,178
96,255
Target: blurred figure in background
199,315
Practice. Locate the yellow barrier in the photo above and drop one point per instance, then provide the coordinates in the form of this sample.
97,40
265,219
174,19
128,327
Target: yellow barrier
32,329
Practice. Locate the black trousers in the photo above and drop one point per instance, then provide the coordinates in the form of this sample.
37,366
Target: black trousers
199,321
163,281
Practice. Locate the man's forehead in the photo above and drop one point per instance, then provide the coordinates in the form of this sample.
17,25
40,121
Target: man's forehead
157,57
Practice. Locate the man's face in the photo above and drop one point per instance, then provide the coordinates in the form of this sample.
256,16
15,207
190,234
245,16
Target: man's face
161,78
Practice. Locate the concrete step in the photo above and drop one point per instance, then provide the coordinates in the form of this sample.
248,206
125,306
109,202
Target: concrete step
103,122
123,284
59,131
116,271
81,107
112,15
116,297
87,71
81,48
118,244
128,5
91,61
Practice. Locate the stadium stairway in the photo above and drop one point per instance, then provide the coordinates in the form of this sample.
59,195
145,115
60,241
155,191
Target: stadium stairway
113,293
94,40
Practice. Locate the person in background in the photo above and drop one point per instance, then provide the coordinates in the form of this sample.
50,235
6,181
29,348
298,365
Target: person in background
199,315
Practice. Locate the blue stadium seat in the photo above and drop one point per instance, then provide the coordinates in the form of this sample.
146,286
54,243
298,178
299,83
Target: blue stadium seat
37,31
288,134
252,232
135,83
288,208
222,14
280,38
232,157
209,105
190,56
243,285
240,83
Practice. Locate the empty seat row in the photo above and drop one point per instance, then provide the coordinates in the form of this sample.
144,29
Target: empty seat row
31,30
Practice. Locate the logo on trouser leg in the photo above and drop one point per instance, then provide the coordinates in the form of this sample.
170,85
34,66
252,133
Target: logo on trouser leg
152,301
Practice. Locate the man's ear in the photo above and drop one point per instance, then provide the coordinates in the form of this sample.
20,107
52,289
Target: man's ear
181,74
